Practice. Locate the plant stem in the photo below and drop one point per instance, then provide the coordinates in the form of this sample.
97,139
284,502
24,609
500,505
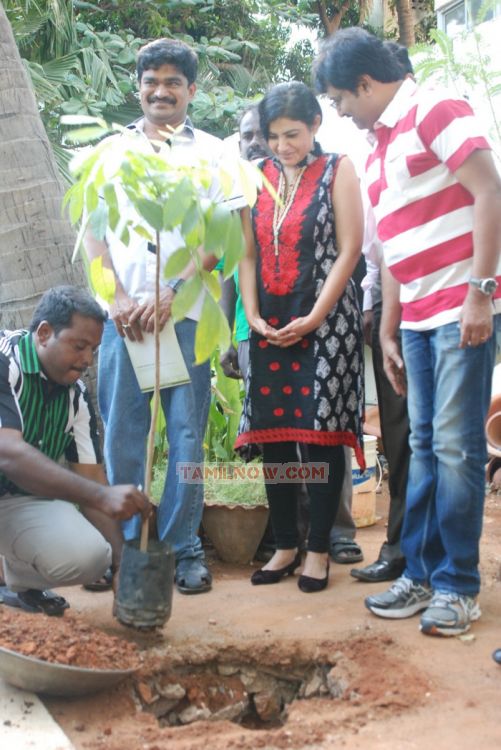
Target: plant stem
150,450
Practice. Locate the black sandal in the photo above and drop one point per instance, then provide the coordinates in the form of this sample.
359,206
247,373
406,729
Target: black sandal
35,601
102,584
345,551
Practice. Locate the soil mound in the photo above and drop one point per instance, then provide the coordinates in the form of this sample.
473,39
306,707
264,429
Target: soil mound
64,640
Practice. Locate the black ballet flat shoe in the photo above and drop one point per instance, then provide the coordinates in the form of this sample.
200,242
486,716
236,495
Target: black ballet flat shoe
263,577
309,585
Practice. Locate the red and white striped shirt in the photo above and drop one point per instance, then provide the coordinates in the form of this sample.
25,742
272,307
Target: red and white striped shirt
424,215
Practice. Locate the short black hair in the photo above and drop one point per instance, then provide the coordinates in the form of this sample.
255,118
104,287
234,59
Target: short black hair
246,111
293,100
168,52
59,304
351,53
402,54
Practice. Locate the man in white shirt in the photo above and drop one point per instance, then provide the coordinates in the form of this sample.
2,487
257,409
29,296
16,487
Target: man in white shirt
166,76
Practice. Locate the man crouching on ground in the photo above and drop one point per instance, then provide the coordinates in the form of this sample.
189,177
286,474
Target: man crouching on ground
45,413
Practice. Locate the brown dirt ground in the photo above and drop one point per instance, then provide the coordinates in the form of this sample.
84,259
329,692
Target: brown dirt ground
406,691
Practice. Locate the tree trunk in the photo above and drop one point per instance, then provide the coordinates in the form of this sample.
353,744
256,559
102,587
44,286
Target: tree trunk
405,17
36,242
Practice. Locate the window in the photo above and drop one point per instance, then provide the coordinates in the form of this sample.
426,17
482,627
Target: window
458,17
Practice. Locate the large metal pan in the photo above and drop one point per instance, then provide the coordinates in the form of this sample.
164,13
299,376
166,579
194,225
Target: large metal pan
47,678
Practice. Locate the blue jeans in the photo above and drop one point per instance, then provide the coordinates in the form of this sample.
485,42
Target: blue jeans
126,415
449,393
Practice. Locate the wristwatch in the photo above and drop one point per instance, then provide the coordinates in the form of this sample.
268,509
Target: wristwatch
175,284
486,286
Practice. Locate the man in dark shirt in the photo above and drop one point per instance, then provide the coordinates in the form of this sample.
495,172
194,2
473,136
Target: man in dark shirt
45,414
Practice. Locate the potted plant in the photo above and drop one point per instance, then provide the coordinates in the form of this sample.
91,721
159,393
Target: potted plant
235,511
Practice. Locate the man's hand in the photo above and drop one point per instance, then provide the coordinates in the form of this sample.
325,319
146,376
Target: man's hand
122,501
145,317
229,363
394,365
368,323
475,319
125,312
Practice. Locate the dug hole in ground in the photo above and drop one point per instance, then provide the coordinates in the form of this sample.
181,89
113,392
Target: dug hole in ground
270,667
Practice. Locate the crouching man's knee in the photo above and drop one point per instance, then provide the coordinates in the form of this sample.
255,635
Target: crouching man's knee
76,563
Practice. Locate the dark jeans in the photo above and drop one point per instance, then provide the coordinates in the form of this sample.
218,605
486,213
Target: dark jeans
324,496
449,392
395,431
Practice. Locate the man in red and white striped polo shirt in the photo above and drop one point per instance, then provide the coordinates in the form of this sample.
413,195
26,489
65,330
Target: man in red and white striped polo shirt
436,196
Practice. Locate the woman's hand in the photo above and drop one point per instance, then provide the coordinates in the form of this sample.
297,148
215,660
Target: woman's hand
260,326
294,331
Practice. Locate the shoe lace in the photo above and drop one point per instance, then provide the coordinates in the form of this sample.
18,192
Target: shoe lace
445,598
402,585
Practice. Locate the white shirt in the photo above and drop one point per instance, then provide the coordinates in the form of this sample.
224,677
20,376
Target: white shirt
134,264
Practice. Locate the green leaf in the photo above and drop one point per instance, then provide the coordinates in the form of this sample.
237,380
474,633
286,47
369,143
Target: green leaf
212,330
177,263
151,211
193,227
186,297
250,178
219,450
99,221
102,280
235,246
143,232
217,227
75,200
110,196
191,220
125,236
177,204
212,284
91,197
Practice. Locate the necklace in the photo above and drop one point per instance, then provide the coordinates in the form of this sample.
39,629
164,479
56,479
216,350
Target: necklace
282,206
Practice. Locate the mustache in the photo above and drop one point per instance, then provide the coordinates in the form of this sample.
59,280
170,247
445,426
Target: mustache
164,99
256,152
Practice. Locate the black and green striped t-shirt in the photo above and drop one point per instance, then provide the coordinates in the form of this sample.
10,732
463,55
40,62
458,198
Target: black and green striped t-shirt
57,420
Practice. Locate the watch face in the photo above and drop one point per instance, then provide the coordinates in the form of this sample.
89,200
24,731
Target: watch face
489,286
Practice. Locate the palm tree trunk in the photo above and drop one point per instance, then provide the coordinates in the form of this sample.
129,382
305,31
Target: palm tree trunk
405,17
36,242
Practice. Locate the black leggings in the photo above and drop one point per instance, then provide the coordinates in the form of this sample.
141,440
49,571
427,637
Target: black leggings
324,496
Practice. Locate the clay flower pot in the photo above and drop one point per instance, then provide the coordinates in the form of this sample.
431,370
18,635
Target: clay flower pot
493,426
235,530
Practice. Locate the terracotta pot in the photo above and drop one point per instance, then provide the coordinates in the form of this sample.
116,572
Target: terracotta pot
493,426
235,530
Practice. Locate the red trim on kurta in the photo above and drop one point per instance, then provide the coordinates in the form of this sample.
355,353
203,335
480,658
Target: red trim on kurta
280,272
314,437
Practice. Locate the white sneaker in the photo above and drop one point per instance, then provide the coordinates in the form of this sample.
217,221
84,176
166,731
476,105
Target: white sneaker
449,614
403,599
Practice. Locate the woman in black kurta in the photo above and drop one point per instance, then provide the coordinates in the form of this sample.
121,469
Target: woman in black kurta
306,358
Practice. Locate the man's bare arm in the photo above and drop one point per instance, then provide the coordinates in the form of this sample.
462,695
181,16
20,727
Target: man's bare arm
479,176
39,475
